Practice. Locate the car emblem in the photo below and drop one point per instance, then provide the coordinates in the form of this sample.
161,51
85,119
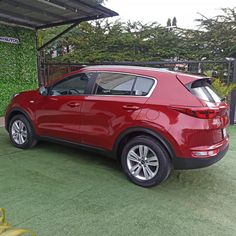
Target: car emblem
216,122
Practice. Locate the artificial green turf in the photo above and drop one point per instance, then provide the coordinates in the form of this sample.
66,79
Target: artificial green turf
57,190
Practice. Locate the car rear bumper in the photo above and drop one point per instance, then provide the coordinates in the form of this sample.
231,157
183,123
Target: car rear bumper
194,163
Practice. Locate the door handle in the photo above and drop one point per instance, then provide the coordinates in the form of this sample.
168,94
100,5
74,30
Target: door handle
74,104
130,107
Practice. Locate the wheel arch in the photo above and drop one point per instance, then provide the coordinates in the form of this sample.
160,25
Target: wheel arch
136,131
14,112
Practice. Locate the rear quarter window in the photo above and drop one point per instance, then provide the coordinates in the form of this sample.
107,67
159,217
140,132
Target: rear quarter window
204,91
143,86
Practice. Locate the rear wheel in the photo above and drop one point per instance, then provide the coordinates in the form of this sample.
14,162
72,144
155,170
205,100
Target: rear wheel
21,132
145,161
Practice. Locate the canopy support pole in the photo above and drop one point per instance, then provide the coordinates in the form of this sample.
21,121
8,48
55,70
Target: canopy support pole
58,36
41,70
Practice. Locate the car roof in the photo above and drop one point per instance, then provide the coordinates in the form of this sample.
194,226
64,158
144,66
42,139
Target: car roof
125,68
141,70
148,71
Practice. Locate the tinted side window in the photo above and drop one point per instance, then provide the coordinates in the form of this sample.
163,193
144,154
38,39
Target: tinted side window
203,90
73,85
142,86
114,84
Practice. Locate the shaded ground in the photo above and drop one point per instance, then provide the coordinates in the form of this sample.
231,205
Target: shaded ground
58,190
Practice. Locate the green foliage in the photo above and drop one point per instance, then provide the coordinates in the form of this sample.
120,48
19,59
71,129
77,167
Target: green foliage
119,41
222,89
174,22
99,1
217,36
134,41
168,22
18,69
6,229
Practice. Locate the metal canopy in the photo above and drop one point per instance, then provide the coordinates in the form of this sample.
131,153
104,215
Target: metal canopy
39,14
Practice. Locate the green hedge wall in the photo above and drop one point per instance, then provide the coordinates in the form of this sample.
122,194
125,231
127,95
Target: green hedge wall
18,63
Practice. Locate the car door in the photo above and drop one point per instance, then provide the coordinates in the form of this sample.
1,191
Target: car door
58,113
114,106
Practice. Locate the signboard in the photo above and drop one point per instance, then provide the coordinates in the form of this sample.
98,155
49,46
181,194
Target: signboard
9,40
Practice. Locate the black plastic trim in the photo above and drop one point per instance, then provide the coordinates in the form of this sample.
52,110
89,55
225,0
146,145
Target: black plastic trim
7,118
82,146
195,163
153,133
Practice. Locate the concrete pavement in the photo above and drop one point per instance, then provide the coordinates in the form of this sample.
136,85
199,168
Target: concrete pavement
2,121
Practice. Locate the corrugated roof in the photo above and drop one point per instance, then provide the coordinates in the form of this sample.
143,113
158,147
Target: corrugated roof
40,14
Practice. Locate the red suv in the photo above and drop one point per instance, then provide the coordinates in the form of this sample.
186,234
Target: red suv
149,119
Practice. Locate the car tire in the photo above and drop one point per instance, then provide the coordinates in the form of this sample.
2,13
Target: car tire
21,132
145,161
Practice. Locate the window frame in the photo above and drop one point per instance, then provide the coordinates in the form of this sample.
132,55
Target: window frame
93,90
88,88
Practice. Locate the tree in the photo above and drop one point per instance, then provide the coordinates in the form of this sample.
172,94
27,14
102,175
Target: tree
103,40
168,22
119,41
174,22
99,1
217,35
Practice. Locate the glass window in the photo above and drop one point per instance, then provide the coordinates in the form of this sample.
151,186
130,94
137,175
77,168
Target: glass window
114,84
204,91
122,84
73,85
142,86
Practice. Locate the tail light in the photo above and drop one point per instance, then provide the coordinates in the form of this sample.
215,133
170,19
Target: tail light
198,112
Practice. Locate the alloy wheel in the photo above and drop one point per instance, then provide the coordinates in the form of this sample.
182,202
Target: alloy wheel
142,162
19,132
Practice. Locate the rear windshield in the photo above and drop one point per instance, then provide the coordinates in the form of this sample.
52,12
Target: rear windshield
203,90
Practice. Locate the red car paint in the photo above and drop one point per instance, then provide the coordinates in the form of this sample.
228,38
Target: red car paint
99,121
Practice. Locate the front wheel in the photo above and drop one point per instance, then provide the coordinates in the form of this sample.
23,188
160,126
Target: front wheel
145,161
21,132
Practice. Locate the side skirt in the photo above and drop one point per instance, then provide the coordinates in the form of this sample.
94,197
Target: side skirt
82,146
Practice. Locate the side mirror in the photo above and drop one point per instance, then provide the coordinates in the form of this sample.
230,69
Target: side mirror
43,91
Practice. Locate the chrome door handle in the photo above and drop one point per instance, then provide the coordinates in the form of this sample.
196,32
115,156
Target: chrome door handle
130,107
74,104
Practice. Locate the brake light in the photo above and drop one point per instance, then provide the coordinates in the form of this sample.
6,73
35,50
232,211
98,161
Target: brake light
198,112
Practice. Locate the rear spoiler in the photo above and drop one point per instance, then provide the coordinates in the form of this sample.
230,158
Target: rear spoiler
199,83
193,81
187,78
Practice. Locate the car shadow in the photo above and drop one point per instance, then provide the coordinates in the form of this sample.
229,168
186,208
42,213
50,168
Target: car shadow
205,179
77,154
